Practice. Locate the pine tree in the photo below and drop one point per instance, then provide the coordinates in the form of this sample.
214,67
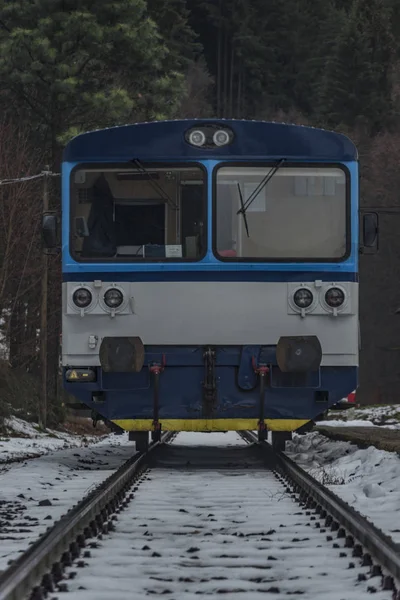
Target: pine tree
271,56
79,64
319,23
172,18
357,82
251,52
394,7
73,65
238,56
211,21
344,5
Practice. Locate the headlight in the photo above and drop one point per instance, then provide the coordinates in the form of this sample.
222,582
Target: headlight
113,298
82,298
303,298
334,297
220,138
197,138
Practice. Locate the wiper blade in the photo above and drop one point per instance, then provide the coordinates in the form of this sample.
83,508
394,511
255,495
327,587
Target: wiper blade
243,211
261,186
155,185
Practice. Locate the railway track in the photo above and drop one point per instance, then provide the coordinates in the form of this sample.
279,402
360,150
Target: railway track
183,520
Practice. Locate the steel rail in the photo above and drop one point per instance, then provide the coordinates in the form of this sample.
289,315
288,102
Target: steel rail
33,574
373,544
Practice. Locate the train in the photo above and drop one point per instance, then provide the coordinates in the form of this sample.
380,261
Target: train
210,275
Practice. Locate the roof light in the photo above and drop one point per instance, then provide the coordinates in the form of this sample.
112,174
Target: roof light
221,138
197,138
209,136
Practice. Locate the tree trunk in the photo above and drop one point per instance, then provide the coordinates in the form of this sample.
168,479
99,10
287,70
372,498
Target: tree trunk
17,333
231,75
226,66
219,62
239,91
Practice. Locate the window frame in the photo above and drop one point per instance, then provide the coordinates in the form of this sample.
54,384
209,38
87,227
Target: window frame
132,259
289,164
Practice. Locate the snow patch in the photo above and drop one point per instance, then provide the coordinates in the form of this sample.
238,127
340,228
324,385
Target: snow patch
233,533
340,423
385,415
35,442
214,438
358,476
35,493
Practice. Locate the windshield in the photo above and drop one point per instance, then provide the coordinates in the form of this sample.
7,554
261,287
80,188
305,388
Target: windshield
139,213
299,215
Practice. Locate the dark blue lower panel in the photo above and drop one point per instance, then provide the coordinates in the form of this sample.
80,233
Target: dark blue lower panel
130,396
223,273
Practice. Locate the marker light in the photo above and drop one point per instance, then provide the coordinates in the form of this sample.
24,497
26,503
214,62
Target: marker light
334,297
303,298
82,298
221,138
113,298
197,138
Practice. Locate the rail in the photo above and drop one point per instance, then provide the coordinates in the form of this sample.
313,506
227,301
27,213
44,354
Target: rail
41,566
35,572
373,544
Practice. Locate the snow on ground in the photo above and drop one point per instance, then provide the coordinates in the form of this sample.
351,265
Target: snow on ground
233,532
214,438
340,423
385,415
14,447
368,479
35,493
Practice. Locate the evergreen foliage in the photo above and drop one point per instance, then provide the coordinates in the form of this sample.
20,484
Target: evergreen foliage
76,64
357,82
172,18
266,58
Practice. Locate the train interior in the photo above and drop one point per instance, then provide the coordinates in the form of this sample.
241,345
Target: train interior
301,212
134,214
160,213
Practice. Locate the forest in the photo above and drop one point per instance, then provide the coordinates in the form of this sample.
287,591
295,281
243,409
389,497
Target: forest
68,66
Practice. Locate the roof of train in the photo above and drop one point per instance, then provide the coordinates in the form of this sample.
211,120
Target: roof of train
164,140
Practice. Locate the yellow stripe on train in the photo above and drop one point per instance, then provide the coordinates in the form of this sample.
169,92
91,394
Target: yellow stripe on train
210,424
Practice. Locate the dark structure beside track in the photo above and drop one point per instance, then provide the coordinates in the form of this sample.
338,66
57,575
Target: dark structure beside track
379,374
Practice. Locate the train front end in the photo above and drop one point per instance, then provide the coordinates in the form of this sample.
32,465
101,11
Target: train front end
210,275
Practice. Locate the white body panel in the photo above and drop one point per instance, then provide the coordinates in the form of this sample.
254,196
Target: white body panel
208,313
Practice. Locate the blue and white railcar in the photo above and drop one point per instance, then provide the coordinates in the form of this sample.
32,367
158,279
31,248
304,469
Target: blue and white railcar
210,275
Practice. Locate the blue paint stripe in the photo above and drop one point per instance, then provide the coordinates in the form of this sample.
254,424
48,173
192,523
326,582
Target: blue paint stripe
276,276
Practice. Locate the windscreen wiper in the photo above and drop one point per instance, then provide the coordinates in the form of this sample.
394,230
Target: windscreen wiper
155,185
243,211
261,186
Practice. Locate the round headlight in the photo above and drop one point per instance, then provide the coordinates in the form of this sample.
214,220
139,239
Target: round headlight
82,298
113,298
221,138
197,138
334,297
303,298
